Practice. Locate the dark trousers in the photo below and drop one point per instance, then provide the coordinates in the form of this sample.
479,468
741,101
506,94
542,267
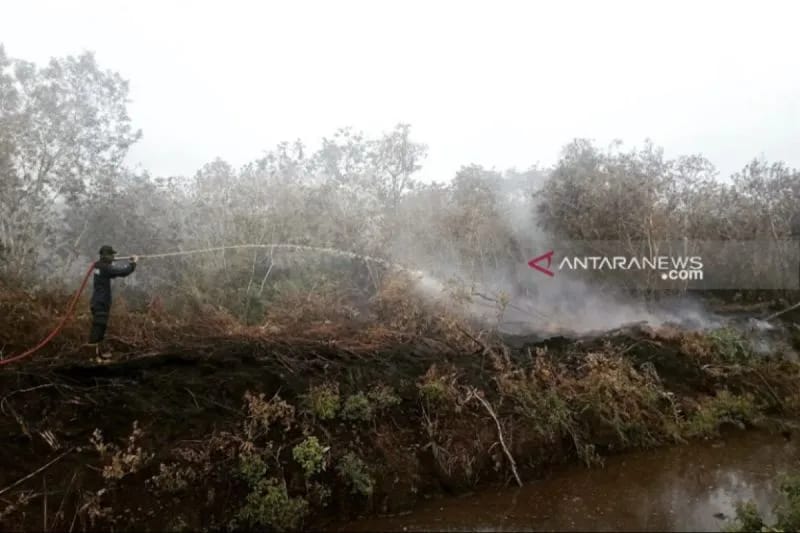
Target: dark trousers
99,323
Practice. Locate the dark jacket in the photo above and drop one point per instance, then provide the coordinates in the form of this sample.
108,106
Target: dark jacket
103,272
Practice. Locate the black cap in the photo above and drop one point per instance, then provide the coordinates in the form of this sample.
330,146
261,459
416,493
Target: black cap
107,250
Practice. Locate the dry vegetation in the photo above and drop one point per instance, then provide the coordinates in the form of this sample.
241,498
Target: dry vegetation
220,425
266,390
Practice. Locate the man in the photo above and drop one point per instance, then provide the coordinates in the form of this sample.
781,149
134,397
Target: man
104,271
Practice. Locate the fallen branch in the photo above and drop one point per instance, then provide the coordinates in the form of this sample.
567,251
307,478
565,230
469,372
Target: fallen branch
29,389
60,513
497,301
779,313
473,393
36,472
477,341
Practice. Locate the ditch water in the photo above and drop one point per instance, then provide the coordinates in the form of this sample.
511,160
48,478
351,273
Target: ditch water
692,487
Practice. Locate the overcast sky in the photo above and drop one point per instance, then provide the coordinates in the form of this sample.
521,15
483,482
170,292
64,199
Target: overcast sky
496,83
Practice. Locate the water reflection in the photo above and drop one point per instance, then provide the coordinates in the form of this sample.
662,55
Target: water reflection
678,489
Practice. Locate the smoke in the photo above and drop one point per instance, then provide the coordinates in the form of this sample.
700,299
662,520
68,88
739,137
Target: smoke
564,307
576,307
518,300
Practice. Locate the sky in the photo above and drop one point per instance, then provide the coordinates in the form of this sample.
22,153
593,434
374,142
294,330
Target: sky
497,83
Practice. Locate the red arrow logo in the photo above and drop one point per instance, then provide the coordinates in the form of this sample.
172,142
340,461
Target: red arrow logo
533,263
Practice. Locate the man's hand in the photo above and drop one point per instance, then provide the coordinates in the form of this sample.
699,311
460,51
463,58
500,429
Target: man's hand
134,259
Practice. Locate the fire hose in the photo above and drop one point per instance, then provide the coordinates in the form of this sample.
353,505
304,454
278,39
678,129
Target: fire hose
70,310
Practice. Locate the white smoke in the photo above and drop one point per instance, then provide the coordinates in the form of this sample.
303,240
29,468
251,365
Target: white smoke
538,304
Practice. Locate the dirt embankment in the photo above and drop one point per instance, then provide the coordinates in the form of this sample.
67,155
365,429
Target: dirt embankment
235,428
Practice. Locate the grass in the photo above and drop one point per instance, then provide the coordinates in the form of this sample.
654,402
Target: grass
323,401
611,403
438,386
724,408
730,346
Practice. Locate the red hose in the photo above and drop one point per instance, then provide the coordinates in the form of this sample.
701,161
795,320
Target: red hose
67,315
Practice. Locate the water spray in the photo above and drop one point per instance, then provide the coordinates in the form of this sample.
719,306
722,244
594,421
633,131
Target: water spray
285,246
321,249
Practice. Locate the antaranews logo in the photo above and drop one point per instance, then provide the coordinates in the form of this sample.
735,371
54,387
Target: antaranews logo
673,268
534,263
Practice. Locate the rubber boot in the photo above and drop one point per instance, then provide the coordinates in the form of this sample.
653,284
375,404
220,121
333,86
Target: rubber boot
103,352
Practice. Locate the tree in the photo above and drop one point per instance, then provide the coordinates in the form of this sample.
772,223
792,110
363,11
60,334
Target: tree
605,196
64,132
394,159
343,158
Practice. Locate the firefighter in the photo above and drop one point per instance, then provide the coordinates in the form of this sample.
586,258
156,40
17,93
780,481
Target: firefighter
104,271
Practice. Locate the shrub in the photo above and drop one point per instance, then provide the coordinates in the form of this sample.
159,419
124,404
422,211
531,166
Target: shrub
383,397
122,462
356,474
438,386
721,409
172,478
311,456
730,346
747,518
323,401
358,407
787,512
269,505
263,413
252,468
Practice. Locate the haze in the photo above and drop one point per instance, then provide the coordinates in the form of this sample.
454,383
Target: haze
498,84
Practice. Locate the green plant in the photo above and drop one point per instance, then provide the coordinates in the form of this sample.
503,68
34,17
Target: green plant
721,409
730,345
358,407
269,505
323,401
384,397
252,468
747,518
319,494
172,478
433,391
438,386
356,474
787,512
311,456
